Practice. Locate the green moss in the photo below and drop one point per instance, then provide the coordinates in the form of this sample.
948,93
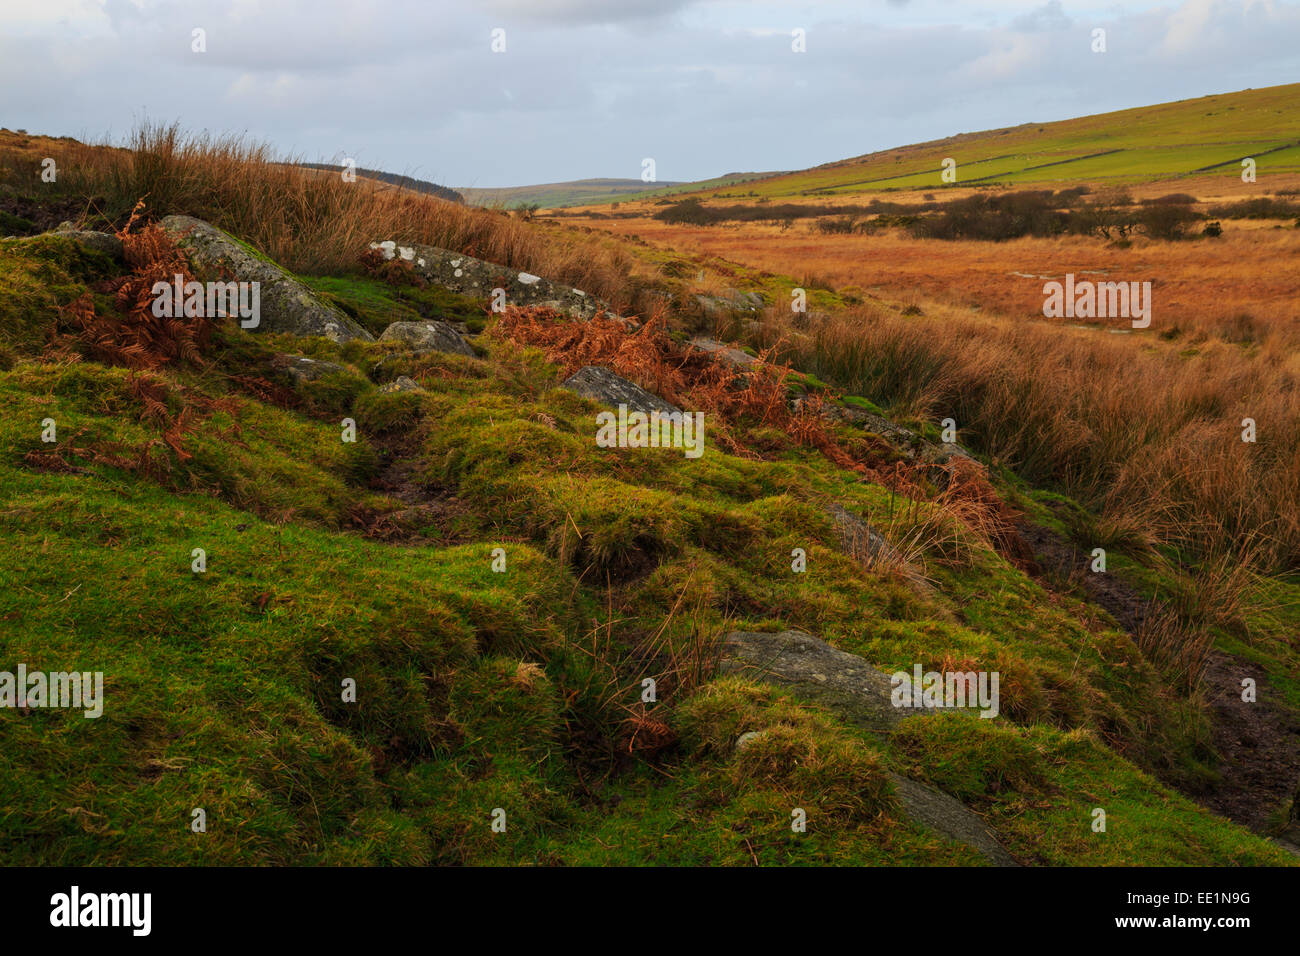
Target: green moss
1039,788
383,413
11,225
484,687
867,406
39,277
376,304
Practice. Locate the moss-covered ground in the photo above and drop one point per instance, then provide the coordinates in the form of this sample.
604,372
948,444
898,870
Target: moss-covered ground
507,693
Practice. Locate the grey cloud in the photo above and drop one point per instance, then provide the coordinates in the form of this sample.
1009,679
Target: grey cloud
416,89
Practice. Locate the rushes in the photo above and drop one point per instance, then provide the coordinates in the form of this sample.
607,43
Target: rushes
1151,437
312,221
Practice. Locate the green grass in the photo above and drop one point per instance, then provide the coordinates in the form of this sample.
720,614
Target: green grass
478,690
376,305
1147,143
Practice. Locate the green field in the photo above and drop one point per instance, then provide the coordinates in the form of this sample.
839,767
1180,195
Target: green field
1143,144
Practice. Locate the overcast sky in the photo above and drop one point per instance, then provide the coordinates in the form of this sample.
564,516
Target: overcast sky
590,88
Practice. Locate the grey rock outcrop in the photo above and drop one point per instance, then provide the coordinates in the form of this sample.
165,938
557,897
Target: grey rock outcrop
943,453
602,385
402,383
303,369
470,276
731,300
860,694
424,335
950,817
734,356
842,682
911,443
104,242
858,539
869,421
286,305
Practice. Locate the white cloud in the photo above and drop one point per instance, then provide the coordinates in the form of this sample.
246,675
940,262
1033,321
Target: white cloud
704,87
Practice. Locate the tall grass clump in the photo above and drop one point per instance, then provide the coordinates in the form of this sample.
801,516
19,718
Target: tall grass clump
1152,437
313,221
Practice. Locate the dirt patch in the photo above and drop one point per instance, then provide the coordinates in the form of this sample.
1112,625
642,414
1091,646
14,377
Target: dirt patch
1258,743
399,478
44,216
1065,565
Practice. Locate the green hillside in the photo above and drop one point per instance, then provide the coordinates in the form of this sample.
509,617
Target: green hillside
592,192
516,690
1147,143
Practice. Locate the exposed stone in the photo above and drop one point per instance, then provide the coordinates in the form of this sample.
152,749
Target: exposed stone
104,242
402,384
602,385
470,276
428,335
730,354
286,304
871,422
943,453
747,740
731,300
859,539
842,682
859,693
950,817
304,369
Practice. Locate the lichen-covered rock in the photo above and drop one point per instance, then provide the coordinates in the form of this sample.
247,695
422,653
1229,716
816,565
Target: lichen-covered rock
303,369
731,300
736,357
871,422
858,539
402,383
104,242
470,276
944,452
602,385
286,304
950,817
859,693
842,682
428,335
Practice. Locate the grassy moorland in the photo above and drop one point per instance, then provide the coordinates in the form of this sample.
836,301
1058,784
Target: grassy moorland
1143,425
520,690
586,192
1128,146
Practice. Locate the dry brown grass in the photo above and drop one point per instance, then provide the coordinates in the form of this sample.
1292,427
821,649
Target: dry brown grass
1145,426
1150,437
309,221
1200,288
695,380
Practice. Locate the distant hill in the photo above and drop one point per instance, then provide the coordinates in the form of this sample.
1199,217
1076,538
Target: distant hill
1166,141
579,192
404,182
591,192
